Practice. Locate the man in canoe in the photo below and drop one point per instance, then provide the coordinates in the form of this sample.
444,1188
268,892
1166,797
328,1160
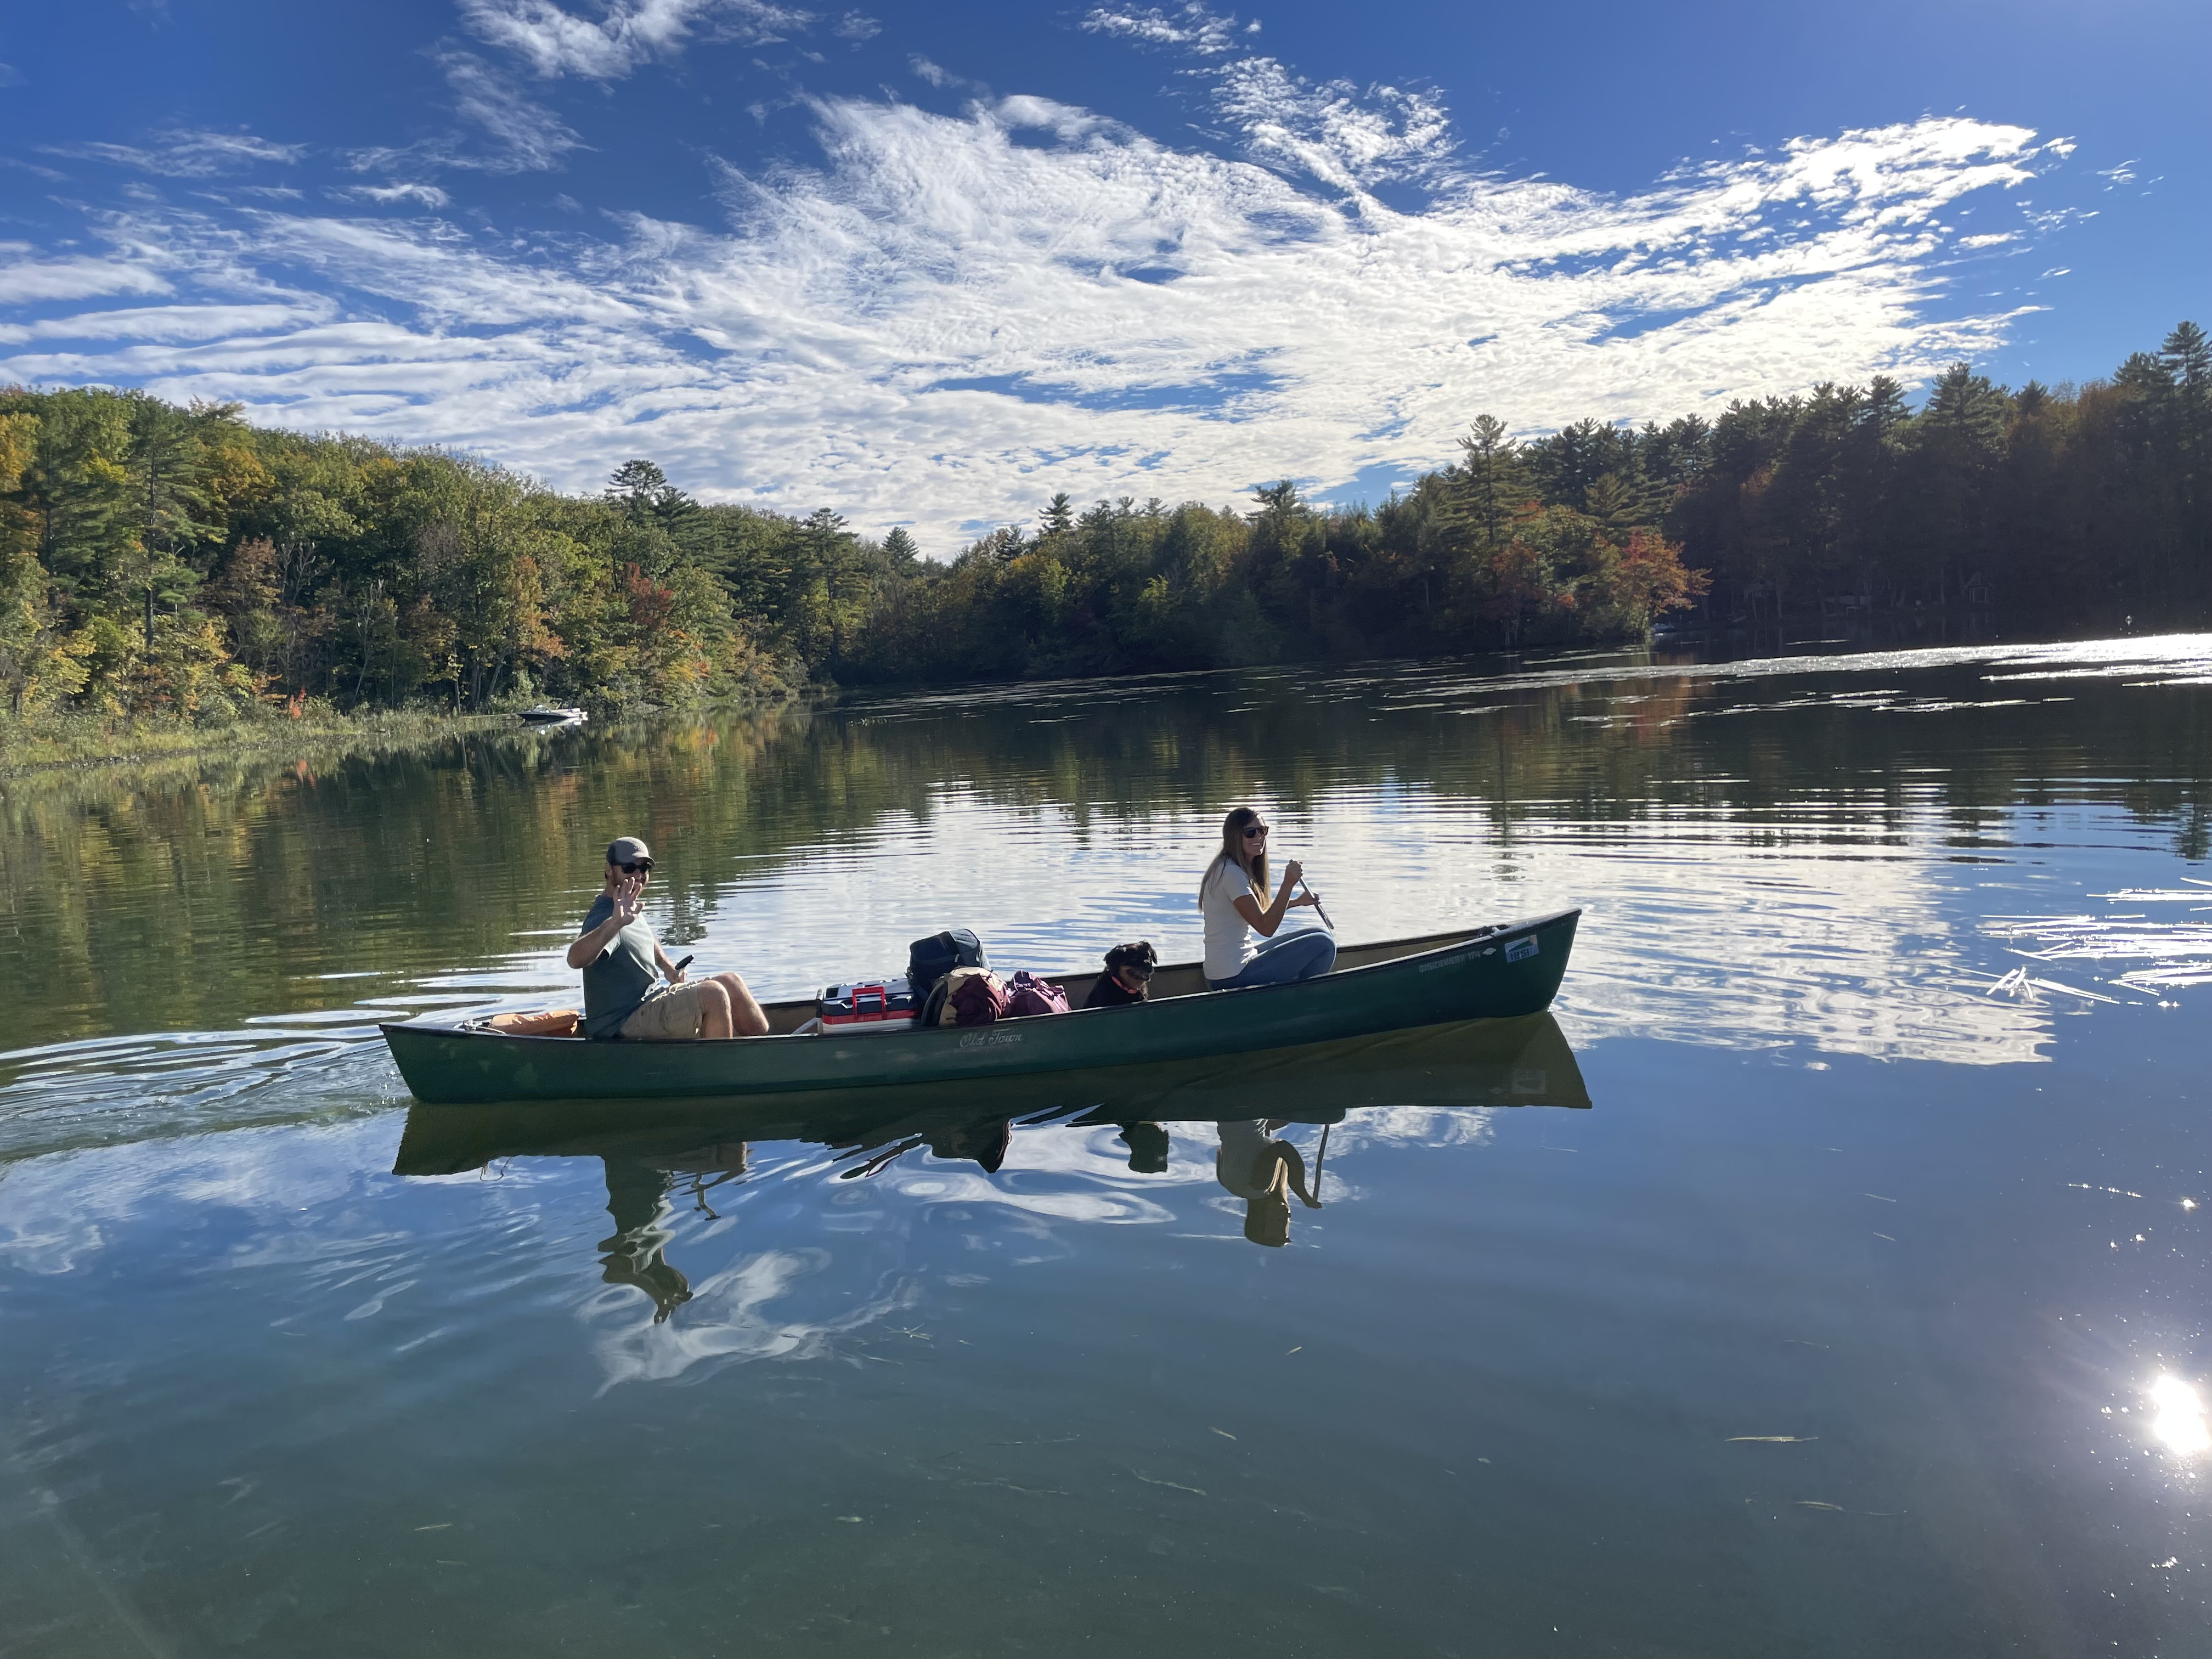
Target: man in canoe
624,967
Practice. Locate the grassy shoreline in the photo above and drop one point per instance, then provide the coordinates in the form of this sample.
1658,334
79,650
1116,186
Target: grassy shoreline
82,743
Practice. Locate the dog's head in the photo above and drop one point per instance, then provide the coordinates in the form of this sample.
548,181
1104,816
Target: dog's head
1140,956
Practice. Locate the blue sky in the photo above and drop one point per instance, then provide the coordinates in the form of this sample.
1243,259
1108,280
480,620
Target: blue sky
929,264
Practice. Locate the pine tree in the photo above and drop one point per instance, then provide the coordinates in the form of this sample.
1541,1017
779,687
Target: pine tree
1493,484
169,503
2186,355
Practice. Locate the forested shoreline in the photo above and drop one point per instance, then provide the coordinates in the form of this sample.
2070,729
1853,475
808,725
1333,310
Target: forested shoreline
180,564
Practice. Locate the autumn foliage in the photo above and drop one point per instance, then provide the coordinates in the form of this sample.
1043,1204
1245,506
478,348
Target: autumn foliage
181,564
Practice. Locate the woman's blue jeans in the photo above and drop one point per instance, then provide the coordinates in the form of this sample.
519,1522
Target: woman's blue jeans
1292,956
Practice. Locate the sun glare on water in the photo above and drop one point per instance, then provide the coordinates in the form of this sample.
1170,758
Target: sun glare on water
2179,1425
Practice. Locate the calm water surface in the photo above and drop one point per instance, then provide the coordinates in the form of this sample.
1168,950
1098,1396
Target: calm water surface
1830,1279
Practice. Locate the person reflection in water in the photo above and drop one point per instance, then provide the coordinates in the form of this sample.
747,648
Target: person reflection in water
1148,1148
1258,1168
637,1199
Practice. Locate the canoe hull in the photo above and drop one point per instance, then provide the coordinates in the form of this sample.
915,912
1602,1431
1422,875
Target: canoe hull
1487,1064
1491,973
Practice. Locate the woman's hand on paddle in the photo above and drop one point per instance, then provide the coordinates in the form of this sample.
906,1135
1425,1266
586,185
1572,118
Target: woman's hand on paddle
1264,922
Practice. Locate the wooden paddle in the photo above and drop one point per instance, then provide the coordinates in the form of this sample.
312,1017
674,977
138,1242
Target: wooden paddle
1315,897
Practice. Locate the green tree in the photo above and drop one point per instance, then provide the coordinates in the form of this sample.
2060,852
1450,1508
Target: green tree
1492,485
170,503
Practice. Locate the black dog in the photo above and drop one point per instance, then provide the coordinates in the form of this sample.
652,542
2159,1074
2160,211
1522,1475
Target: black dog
1127,978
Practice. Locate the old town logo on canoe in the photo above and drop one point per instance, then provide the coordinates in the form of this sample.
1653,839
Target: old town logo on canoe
990,1039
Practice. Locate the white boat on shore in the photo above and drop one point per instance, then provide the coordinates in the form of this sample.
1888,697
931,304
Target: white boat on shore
545,714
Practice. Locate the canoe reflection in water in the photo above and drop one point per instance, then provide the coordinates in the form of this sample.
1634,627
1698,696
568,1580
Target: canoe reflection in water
655,1148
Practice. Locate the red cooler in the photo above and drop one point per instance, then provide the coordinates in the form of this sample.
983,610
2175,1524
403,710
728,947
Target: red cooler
873,1003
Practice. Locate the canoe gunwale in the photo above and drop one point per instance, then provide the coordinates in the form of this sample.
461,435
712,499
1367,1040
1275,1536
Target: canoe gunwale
1436,945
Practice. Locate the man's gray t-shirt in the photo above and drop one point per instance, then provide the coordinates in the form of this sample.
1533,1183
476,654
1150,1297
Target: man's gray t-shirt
624,971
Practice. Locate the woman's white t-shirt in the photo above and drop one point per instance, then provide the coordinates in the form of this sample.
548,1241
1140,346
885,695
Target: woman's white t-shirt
1227,947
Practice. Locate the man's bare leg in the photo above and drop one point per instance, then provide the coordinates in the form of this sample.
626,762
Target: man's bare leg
714,1010
745,1013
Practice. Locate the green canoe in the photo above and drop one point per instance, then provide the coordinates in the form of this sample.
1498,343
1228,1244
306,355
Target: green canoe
1482,1063
1493,972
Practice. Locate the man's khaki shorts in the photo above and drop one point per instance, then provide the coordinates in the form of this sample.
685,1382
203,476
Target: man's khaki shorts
671,1011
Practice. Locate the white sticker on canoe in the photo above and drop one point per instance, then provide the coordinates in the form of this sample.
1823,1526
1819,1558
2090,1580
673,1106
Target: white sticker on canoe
990,1039
1521,949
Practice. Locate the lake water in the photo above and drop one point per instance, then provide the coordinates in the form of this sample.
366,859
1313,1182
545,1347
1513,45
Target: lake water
1819,1282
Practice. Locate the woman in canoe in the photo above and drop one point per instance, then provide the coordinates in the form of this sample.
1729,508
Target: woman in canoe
1257,1168
1234,899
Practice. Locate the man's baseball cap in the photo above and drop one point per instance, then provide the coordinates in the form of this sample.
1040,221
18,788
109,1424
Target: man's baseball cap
628,850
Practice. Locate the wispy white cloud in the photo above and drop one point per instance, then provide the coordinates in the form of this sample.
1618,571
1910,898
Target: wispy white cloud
169,323
936,74
856,27
180,153
556,42
27,279
950,317
426,196
528,137
1195,28
33,169
1333,130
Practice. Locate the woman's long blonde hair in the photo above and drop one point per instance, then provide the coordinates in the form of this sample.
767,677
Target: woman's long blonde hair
1232,852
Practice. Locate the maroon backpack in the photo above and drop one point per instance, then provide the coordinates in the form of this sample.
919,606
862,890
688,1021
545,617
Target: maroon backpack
979,1000
1028,994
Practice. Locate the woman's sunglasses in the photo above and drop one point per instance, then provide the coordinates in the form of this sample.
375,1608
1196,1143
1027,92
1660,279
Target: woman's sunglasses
1254,831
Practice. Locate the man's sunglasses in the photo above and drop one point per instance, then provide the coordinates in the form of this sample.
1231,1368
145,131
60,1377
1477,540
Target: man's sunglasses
643,867
1253,831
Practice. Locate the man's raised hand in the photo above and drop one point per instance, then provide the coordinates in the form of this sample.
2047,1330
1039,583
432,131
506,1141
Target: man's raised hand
630,892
